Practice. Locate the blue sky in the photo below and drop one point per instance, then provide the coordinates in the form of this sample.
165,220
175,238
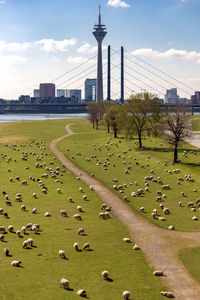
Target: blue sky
40,39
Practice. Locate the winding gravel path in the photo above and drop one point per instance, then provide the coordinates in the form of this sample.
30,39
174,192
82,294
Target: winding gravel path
159,245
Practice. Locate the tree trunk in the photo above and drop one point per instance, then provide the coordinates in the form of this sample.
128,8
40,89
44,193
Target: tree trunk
108,127
175,153
97,124
140,141
115,132
93,125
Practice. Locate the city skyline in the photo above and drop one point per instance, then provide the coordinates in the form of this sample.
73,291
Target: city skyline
39,47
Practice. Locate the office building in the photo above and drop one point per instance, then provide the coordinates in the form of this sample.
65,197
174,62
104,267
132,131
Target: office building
90,89
47,90
171,96
76,94
195,99
36,93
60,93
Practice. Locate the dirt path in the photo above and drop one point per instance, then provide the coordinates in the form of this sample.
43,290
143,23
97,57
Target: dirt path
159,245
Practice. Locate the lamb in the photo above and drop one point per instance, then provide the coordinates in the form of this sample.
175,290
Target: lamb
62,254
126,295
16,263
168,294
64,283
63,213
76,246
23,207
86,246
6,251
77,216
158,273
80,231
105,274
81,293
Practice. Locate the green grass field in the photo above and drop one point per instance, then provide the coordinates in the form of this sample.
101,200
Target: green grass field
196,124
190,258
42,268
109,158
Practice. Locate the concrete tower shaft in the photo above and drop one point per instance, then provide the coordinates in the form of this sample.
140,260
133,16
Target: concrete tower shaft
99,33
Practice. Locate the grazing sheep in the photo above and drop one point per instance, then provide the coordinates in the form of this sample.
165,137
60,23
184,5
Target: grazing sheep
136,247
1,210
126,295
6,251
161,219
171,227
30,241
24,182
190,204
25,244
105,274
142,208
80,208
166,211
182,194
159,198
194,218
162,206
63,213
76,246
168,294
158,273
62,254
18,232
81,189
16,263
47,214
34,210
81,293
80,231
2,229
29,226
64,283
180,204
58,190
10,228
102,215
103,206
23,207
165,187
153,215
77,216
127,240
84,197
34,228
23,229
86,246
8,202
34,195
91,188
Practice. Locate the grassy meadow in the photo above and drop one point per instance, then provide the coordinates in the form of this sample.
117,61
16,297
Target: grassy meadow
190,258
110,158
42,268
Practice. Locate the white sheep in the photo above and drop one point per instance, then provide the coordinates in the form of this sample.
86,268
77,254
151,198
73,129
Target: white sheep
34,195
2,229
64,283
81,293
47,214
84,197
6,251
127,240
10,228
77,216
126,295
1,237
81,189
25,244
30,241
29,226
91,188
171,227
23,207
86,246
16,263
105,274
58,190
34,210
76,246
18,233
103,206
23,229
80,208
136,247
80,231
168,294
63,213
62,254
158,273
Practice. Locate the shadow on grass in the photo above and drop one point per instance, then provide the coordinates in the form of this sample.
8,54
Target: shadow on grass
109,279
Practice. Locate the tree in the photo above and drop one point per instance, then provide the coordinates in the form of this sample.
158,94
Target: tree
93,114
143,115
115,116
178,126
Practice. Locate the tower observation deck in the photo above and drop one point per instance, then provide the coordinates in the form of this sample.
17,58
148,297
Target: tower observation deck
99,33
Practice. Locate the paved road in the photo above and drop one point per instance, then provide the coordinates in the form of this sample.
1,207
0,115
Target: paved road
159,245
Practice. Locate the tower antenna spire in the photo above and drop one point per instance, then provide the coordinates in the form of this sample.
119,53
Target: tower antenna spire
99,14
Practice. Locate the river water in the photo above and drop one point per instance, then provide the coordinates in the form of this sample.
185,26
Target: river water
38,117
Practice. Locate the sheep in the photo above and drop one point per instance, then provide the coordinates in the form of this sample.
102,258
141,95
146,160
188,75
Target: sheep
171,227
180,204
63,213
190,204
34,210
166,211
16,263
64,283
162,206
158,273
84,197
81,293
109,208
198,201
102,215
76,246
80,231
91,188
62,254
194,218
81,189
24,182
126,295
165,187
10,228
30,241
25,244
34,195
168,294
29,226
86,246
34,228
105,274
161,219
58,190
23,229
6,251
47,214
136,247
18,232
77,216
1,210
153,215
182,194
103,206
142,208
80,208
23,207
2,229
159,198
127,240
8,202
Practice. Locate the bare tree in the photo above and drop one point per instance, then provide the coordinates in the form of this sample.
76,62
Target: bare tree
93,114
178,127
115,117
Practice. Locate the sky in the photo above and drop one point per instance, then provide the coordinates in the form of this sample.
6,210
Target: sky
42,39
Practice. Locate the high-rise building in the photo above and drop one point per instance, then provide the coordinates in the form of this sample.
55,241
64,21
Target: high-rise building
171,96
47,90
36,93
60,93
90,89
75,93
99,33
195,99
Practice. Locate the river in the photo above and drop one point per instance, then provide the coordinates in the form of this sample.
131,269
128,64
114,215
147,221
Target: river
38,117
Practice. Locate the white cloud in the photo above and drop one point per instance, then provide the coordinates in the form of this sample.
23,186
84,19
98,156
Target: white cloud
15,46
117,3
56,46
2,1
87,48
171,53
11,59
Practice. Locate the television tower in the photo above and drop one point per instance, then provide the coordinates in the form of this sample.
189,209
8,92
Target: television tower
99,33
